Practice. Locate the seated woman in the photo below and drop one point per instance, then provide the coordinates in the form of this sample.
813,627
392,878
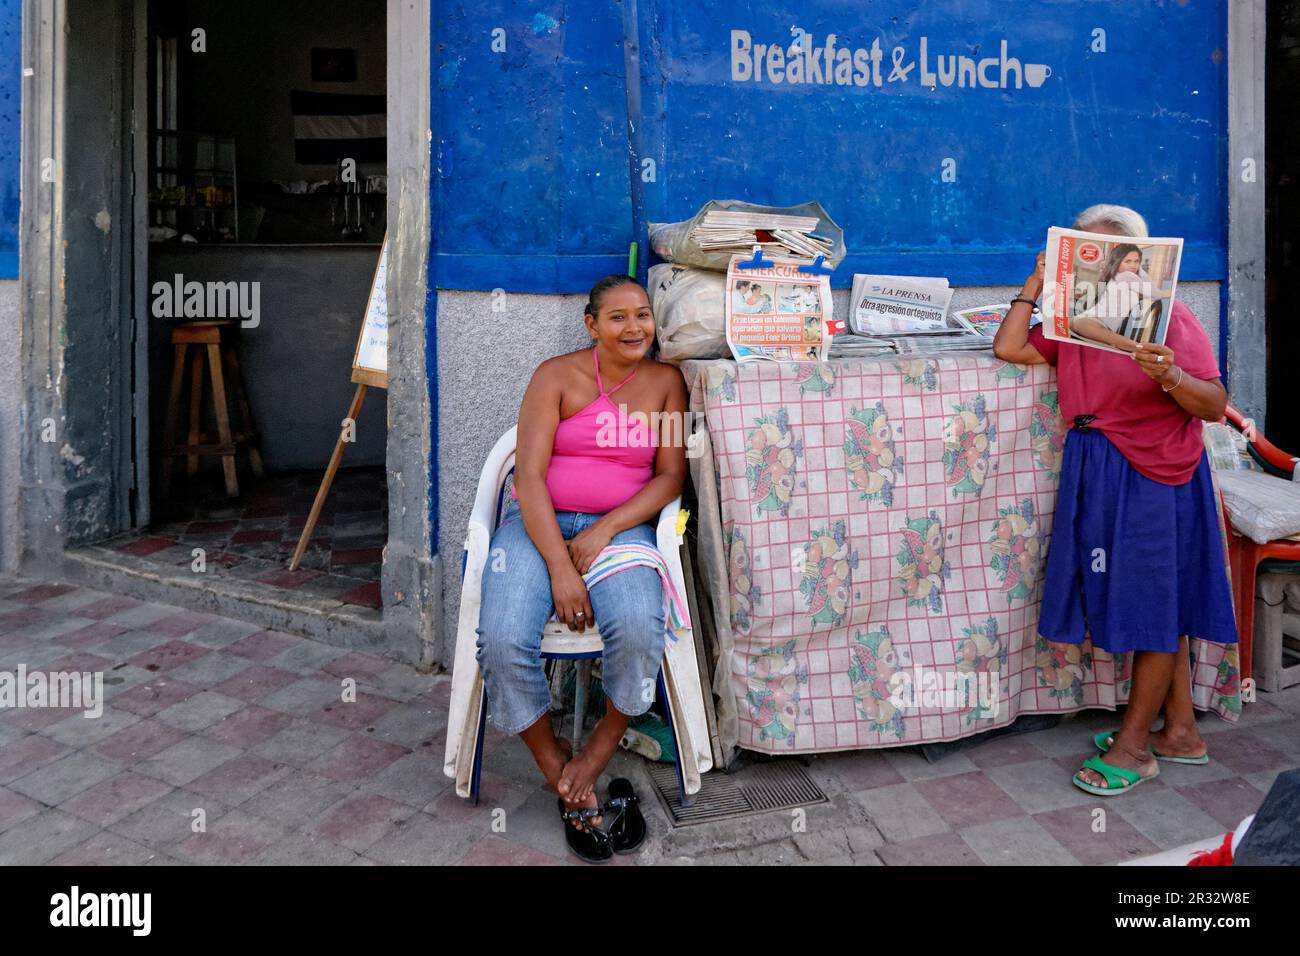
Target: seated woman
588,473
1123,281
1136,560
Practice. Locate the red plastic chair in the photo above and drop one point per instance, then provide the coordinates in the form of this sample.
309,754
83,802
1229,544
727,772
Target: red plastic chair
1244,555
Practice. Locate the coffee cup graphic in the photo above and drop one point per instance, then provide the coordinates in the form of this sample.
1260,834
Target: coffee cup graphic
1036,73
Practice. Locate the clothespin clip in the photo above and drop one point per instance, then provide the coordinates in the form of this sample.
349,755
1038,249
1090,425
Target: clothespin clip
834,325
758,262
817,268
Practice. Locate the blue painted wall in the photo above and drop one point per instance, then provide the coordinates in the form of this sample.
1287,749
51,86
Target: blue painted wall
531,178
11,30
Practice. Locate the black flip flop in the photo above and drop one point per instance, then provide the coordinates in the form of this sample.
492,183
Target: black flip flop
591,844
628,830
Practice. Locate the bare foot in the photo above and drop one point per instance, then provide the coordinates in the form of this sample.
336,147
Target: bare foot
1118,756
552,763
1178,742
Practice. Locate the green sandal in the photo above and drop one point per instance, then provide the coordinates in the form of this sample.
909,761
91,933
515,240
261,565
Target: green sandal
1103,741
1118,779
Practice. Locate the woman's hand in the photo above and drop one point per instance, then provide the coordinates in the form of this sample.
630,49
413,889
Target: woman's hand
572,602
586,544
1033,287
1158,362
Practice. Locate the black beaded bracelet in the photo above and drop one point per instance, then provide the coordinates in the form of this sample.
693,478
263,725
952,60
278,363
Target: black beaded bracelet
1029,302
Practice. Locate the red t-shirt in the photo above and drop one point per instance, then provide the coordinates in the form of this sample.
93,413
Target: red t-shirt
1151,430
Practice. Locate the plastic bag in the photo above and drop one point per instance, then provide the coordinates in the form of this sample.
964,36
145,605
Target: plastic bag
1261,507
690,312
672,242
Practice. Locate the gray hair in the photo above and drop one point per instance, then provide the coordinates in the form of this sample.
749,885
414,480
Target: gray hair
1128,221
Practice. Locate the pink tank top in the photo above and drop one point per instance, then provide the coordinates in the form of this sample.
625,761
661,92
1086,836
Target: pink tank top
601,457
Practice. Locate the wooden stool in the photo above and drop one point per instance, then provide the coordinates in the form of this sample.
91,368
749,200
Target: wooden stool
218,337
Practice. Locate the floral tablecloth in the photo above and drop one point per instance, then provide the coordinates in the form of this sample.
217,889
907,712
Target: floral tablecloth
879,531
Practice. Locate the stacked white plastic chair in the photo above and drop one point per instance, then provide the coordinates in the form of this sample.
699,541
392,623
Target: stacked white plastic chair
679,677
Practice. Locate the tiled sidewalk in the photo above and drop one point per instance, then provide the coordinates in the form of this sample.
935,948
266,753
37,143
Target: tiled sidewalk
211,718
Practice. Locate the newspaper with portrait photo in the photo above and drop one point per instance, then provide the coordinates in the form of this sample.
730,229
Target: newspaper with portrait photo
1108,292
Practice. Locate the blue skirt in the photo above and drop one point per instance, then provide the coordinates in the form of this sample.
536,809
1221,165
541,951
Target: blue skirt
1134,562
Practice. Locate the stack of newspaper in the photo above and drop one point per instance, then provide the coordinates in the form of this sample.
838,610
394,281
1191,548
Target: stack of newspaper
787,237
905,315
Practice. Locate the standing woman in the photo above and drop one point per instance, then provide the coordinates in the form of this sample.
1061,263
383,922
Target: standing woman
1136,560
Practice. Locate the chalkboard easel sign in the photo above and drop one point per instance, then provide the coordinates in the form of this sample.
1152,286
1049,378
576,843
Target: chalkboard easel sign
369,368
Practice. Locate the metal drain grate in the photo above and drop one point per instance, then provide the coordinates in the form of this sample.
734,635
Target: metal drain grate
757,788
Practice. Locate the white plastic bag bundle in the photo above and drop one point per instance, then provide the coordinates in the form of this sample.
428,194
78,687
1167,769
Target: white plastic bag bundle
1262,507
690,312
672,242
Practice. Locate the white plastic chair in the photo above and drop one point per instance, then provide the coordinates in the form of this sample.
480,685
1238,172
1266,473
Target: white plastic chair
679,678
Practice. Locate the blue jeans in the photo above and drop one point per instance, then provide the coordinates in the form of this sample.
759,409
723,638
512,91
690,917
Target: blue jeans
629,610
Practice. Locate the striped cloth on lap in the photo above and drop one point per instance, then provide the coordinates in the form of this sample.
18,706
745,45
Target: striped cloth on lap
619,557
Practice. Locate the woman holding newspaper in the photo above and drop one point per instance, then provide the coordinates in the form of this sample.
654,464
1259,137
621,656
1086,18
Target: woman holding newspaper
1136,561
1125,292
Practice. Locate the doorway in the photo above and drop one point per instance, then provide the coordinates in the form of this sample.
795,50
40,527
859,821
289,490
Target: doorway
240,146
1282,197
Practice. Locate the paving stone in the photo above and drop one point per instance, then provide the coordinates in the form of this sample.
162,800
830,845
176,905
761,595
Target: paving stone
356,759
184,761
263,645
141,615
360,820
248,727
411,725
256,681
91,635
139,741
297,800
306,658
1166,817
900,813
43,837
415,779
221,633
117,797
211,669
234,838
169,820
358,714
65,778
939,849
1076,829
237,780
304,696
1228,801
200,711
302,849
106,849
422,840
15,808
127,646
301,743
1040,785
913,766
1016,842
81,731
494,850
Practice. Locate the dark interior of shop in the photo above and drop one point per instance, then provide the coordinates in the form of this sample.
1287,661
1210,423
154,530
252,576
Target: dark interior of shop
267,193
1282,192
